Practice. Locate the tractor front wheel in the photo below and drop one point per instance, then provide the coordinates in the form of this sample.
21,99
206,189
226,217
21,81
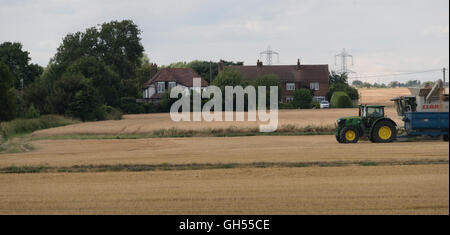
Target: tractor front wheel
349,135
384,132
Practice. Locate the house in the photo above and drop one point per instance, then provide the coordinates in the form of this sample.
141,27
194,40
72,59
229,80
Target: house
168,78
292,77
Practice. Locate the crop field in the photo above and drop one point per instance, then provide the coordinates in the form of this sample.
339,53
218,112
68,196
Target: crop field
420,189
289,174
381,96
147,123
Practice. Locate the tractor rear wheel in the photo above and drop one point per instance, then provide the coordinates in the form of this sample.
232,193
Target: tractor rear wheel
349,135
384,132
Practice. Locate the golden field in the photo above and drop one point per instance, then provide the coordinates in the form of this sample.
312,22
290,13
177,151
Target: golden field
354,189
420,189
219,150
146,123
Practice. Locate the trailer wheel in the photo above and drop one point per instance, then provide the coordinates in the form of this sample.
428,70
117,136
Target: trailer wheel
384,132
349,135
446,138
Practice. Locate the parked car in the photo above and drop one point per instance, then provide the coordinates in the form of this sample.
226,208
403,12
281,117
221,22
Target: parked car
324,104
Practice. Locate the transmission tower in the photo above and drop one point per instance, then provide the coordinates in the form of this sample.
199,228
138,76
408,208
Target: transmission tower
269,54
343,58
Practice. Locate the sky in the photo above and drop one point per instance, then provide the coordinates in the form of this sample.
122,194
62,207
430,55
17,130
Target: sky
383,36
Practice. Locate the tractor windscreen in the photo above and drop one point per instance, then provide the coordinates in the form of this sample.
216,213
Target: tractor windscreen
375,112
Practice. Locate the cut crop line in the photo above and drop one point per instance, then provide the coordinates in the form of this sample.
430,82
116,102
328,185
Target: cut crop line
207,166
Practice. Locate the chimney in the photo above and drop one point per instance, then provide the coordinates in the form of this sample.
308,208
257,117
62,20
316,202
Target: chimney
259,64
153,70
220,65
298,64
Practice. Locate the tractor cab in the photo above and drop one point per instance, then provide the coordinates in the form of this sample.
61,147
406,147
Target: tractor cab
371,111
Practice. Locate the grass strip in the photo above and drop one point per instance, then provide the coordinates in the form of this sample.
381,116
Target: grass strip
207,166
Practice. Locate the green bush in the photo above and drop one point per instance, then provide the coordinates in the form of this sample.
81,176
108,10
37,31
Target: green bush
315,104
20,126
285,106
32,112
112,113
340,99
302,99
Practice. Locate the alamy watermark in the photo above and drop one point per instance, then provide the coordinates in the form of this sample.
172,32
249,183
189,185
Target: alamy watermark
215,103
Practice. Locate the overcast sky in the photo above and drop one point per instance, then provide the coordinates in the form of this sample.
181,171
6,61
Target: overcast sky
384,36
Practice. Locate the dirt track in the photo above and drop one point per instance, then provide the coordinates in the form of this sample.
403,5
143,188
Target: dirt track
219,149
312,190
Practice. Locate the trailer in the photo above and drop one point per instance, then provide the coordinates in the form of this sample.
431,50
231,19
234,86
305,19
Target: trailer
425,111
427,123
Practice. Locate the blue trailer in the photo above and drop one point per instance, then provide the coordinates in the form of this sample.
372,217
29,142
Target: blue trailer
426,123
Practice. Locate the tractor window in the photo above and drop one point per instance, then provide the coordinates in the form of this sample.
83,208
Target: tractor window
375,112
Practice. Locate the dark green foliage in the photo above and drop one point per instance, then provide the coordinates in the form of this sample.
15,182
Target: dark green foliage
7,94
32,112
341,86
75,96
340,99
267,81
20,126
37,94
228,77
337,78
111,113
104,79
206,69
18,62
302,99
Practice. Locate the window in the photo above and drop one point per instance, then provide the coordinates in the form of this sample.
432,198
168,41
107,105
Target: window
161,87
375,112
172,85
290,86
314,86
289,99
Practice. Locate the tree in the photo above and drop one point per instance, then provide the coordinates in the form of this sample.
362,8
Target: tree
338,82
18,62
75,96
337,78
357,83
268,81
302,98
228,77
104,79
116,44
7,94
206,69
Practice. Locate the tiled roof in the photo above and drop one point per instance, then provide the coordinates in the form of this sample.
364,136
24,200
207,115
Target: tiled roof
182,76
317,73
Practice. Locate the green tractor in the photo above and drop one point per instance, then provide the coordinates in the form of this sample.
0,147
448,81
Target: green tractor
371,123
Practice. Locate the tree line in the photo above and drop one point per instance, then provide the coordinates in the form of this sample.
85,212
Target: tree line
98,74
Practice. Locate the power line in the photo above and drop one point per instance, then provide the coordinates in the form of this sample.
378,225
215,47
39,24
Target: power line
400,74
343,58
269,54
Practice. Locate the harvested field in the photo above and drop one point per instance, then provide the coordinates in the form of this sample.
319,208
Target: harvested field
381,96
218,149
146,123
335,190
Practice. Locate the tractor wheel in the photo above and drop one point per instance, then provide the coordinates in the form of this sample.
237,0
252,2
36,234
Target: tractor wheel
349,135
384,132
338,139
446,138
